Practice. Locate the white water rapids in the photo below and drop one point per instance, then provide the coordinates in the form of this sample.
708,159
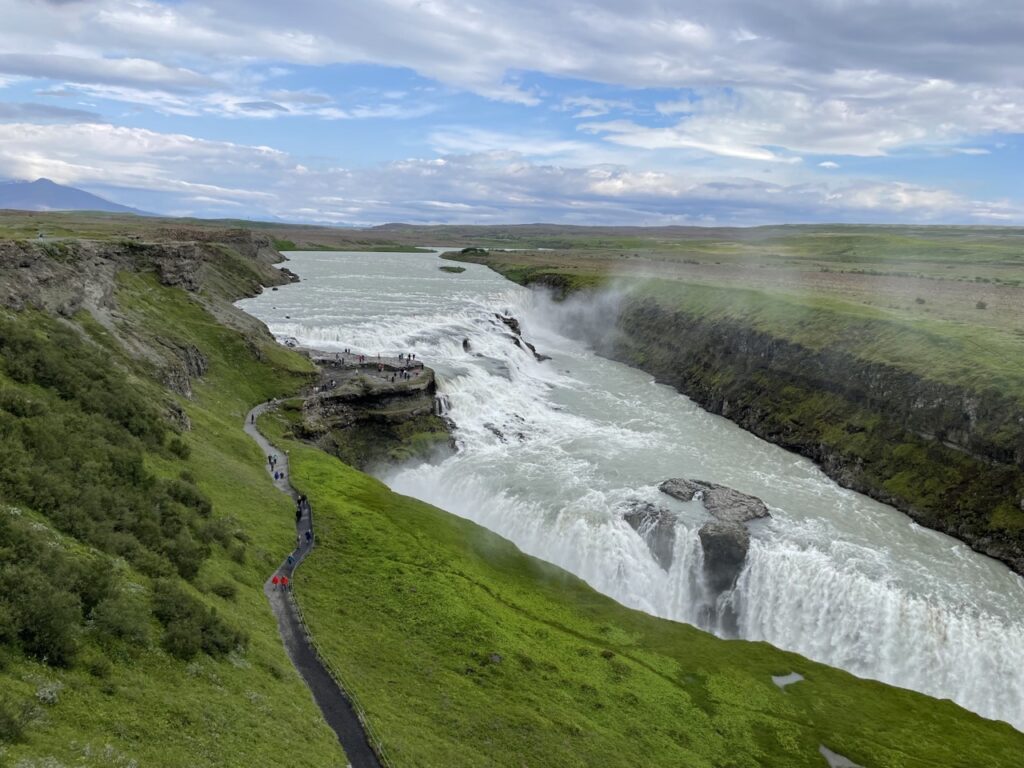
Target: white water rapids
550,452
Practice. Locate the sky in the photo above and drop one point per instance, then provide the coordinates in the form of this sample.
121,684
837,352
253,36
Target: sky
642,112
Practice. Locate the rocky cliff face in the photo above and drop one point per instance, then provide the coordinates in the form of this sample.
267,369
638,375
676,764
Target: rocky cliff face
360,415
948,457
66,277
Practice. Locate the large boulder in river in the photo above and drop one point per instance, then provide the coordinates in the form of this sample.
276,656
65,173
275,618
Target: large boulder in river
657,527
725,548
726,504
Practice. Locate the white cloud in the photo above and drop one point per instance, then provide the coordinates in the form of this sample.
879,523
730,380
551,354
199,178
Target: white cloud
632,135
744,85
118,71
184,174
587,106
815,77
748,122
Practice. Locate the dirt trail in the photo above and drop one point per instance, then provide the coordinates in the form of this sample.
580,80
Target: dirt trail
332,700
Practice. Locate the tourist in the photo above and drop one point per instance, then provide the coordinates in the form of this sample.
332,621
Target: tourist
275,581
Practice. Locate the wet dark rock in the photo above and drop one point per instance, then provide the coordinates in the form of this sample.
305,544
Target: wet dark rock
517,337
466,345
657,527
726,504
725,546
511,322
537,355
495,431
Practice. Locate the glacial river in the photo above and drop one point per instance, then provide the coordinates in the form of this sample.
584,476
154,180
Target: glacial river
551,454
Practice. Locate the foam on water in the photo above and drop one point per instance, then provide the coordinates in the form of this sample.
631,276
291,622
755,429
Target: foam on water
551,452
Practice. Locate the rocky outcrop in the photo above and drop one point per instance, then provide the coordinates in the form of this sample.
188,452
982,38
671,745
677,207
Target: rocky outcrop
724,540
359,414
657,527
725,548
726,504
511,323
185,363
517,336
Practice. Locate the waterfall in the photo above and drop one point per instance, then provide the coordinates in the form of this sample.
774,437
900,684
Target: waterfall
553,453
441,404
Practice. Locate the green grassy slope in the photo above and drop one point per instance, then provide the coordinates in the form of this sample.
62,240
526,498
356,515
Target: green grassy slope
135,691
466,652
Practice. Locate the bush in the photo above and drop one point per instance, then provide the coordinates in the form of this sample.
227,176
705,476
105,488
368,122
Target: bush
98,666
186,554
179,448
183,640
981,305
225,589
13,719
124,616
191,626
237,552
220,530
49,620
187,494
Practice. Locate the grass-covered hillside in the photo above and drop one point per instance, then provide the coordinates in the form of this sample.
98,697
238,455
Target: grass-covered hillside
466,652
137,527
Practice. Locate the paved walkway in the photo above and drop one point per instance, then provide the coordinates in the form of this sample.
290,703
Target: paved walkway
335,705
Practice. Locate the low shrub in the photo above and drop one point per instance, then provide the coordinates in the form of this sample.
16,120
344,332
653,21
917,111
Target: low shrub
124,616
14,717
225,589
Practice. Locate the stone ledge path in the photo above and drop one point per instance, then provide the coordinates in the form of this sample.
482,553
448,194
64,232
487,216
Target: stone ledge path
333,702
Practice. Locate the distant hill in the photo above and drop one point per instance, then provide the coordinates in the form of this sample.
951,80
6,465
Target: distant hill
46,195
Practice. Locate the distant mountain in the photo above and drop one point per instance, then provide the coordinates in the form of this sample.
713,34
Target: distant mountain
46,195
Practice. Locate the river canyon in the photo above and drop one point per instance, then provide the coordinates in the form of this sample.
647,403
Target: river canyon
554,453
